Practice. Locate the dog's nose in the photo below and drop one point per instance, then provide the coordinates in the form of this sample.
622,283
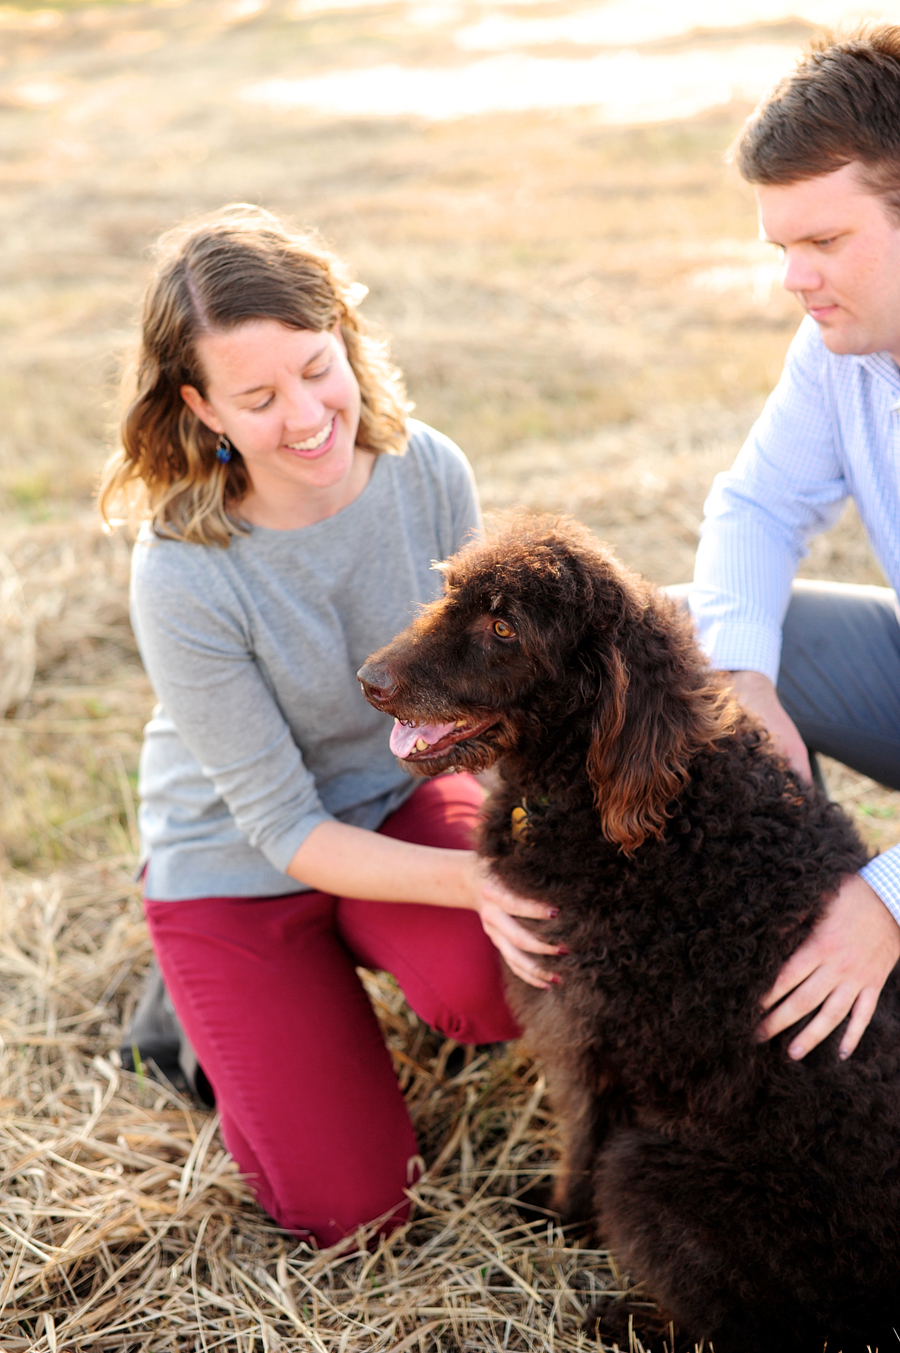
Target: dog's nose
377,683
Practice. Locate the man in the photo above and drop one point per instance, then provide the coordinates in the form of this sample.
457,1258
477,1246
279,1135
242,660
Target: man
820,664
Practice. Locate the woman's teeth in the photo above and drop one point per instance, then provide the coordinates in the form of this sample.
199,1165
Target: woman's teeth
312,442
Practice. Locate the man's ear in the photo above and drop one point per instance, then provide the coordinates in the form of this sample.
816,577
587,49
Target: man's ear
199,406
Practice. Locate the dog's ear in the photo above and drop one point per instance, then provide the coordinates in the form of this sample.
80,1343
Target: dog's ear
649,724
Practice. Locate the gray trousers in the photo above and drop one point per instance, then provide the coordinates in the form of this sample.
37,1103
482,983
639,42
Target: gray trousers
840,674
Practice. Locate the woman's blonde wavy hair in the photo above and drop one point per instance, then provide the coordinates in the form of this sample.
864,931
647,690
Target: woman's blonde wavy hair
239,265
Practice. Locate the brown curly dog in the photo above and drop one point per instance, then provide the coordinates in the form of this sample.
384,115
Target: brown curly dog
757,1199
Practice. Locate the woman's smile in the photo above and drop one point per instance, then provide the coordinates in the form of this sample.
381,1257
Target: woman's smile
316,445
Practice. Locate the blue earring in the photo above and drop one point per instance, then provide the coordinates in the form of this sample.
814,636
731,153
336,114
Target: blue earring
223,449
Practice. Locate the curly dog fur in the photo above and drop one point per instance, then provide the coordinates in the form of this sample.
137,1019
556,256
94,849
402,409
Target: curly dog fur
756,1198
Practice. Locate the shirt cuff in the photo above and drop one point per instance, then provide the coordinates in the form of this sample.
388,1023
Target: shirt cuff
280,850
883,875
743,648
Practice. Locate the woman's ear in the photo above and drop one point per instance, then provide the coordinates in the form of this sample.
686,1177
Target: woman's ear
199,406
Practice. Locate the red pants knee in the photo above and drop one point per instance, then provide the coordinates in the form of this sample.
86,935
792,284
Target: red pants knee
267,992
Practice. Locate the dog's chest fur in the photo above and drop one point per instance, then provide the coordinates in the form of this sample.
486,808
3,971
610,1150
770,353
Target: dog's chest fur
671,950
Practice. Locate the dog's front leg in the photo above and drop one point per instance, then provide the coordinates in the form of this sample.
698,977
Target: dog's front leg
590,1105
584,1090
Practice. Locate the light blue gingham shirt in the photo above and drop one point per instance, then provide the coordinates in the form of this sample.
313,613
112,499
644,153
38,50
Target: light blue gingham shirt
829,431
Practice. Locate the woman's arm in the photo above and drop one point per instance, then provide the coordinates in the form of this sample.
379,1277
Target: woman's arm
351,862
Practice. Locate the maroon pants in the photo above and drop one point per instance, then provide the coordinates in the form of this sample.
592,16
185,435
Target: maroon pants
267,993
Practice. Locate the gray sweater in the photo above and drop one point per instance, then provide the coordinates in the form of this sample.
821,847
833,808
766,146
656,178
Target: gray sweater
262,731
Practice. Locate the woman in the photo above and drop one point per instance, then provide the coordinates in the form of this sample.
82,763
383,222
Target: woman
291,515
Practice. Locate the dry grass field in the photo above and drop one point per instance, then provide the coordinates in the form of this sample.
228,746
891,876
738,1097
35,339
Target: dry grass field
583,306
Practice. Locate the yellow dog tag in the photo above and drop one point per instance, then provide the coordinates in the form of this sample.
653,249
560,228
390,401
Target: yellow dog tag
519,823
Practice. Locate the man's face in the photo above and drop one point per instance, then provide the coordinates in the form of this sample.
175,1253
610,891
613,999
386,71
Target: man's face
841,257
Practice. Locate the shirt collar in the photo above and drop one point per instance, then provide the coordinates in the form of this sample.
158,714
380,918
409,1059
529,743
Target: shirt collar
882,364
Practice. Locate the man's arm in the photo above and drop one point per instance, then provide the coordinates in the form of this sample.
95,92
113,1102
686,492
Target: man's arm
757,693
842,967
786,486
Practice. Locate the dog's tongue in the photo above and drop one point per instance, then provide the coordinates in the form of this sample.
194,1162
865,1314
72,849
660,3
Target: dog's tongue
405,736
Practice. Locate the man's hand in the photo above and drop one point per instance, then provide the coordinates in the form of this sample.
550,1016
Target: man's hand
841,967
757,694
846,960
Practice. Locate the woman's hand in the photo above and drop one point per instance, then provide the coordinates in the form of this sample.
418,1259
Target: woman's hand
352,862
840,968
498,907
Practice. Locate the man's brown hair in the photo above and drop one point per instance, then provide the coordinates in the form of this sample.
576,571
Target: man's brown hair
841,104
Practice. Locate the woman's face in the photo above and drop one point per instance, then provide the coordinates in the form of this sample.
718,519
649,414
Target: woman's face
288,400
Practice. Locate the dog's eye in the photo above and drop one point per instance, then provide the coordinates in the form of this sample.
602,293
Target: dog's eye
503,630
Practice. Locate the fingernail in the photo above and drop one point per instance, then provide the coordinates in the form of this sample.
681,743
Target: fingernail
556,979
562,950
795,1051
552,912
844,1054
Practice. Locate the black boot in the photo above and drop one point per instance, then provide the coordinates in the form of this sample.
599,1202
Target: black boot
155,1039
